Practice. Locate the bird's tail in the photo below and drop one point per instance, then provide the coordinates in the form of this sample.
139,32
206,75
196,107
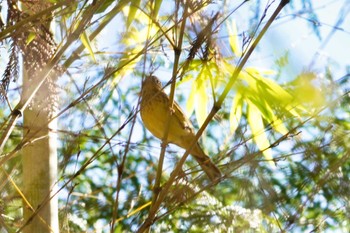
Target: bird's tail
206,164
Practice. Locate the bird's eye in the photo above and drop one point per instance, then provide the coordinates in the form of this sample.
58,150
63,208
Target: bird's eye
156,80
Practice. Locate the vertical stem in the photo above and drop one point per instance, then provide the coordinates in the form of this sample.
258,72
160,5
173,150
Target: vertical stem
177,53
212,113
39,159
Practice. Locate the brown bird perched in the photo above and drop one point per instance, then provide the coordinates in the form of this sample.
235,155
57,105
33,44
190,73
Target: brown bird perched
154,113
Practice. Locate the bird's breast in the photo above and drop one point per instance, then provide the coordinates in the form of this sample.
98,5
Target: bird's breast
155,113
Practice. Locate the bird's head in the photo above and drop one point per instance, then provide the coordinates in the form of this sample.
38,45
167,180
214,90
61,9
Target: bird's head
151,82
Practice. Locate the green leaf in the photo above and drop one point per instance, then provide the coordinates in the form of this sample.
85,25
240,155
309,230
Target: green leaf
268,114
306,92
236,112
135,41
86,42
134,5
279,126
157,4
104,6
201,99
267,86
196,64
258,131
273,95
191,99
233,39
30,38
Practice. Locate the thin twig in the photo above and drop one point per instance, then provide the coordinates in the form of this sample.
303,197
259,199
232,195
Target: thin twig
83,167
177,53
150,219
44,74
7,32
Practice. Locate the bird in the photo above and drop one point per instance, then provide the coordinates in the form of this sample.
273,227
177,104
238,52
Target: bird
154,111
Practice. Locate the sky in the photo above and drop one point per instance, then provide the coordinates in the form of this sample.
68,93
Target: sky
292,33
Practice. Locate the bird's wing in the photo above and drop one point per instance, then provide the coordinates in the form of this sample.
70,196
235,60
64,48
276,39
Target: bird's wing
181,117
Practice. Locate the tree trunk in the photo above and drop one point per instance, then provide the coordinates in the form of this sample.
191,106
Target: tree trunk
40,156
40,170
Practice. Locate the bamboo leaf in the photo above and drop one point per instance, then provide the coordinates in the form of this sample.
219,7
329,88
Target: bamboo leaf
157,4
272,92
30,38
86,42
279,126
306,92
267,113
201,100
134,211
191,100
104,6
236,112
134,5
233,39
270,87
258,132
134,40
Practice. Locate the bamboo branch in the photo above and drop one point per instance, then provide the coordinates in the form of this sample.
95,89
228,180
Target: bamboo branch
177,53
149,221
44,74
7,32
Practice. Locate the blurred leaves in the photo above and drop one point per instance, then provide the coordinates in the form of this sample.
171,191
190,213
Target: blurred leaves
86,42
233,38
258,133
261,95
306,188
306,91
133,8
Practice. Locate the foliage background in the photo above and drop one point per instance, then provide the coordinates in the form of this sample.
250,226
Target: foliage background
304,189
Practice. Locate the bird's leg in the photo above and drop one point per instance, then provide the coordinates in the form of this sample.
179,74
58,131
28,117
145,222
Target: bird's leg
172,110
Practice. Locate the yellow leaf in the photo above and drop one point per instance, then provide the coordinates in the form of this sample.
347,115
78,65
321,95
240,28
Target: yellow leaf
30,38
134,212
135,41
228,68
233,39
272,92
125,65
236,112
196,64
279,95
266,110
258,131
191,100
268,85
278,125
259,71
156,8
134,5
86,42
201,100
307,92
